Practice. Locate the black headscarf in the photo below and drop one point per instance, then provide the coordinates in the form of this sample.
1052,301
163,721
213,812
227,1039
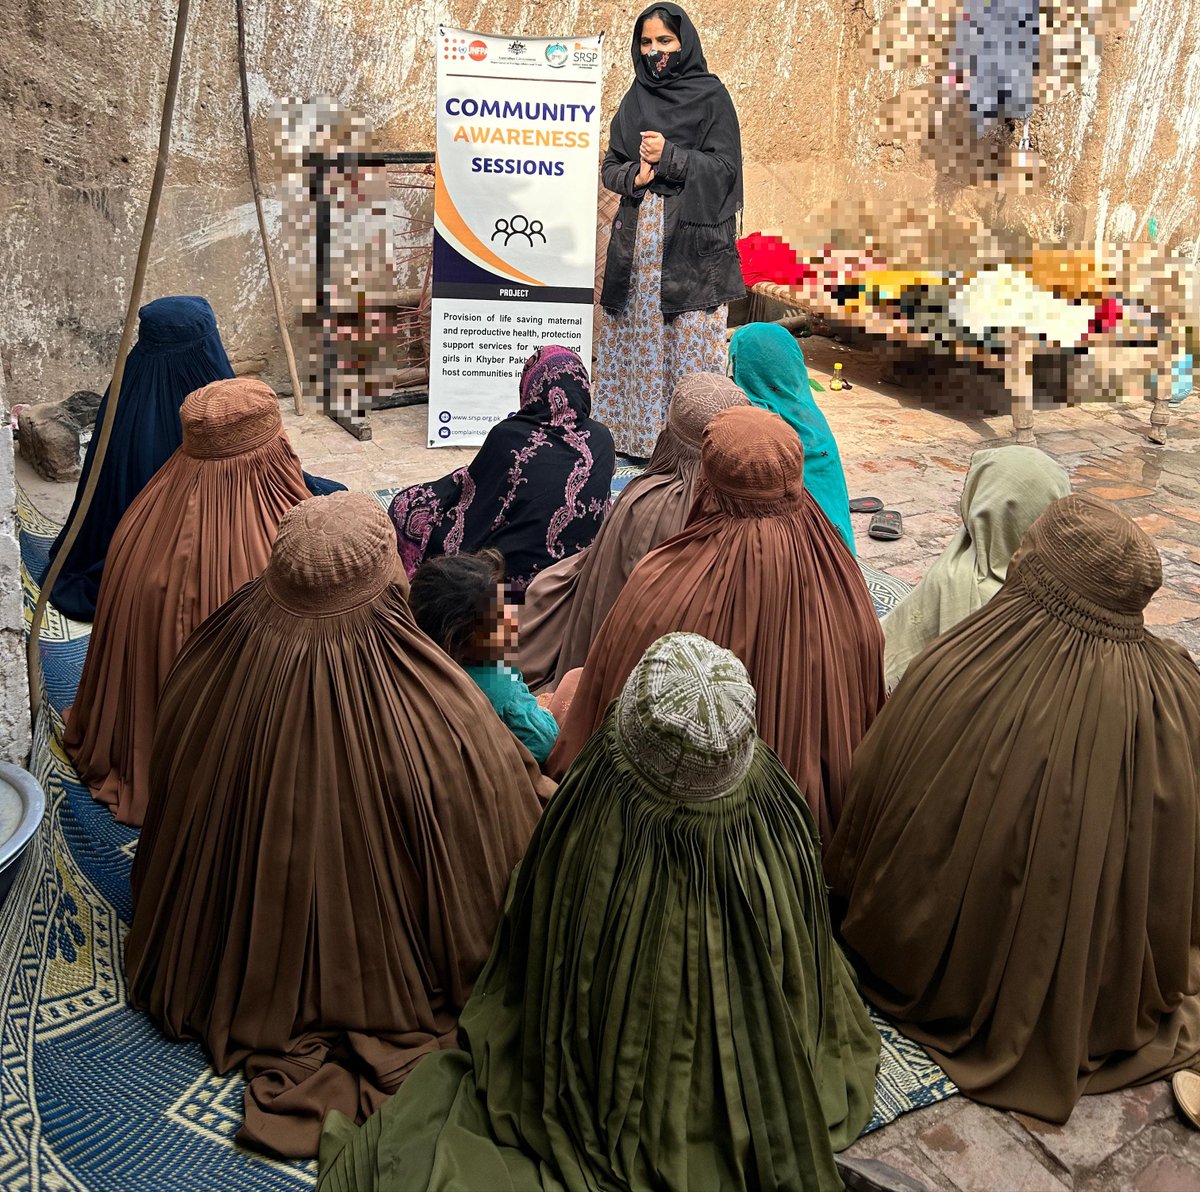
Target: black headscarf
693,110
536,492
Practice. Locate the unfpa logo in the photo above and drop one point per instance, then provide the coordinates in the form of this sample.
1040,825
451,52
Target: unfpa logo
454,49
477,51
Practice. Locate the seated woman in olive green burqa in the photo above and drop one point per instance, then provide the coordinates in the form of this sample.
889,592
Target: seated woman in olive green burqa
664,1006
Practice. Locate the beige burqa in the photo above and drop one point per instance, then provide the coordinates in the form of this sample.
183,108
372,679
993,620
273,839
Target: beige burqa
336,811
196,533
1005,491
1017,859
567,603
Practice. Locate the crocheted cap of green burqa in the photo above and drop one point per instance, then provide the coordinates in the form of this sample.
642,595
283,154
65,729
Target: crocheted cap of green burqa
685,718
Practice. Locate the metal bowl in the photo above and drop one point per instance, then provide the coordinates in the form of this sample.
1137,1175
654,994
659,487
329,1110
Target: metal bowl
34,801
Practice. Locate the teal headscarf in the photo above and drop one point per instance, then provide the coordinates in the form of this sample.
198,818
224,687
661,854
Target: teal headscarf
768,366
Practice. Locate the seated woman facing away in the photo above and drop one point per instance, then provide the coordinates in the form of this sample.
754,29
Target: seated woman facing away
197,532
335,813
536,492
767,363
760,570
1006,490
1017,857
178,351
664,1006
459,602
567,603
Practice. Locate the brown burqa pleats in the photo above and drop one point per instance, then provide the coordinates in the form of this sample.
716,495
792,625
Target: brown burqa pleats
336,811
567,603
196,533
1017,858
760,570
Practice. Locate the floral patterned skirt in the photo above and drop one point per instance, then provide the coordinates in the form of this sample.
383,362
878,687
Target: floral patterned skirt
640,356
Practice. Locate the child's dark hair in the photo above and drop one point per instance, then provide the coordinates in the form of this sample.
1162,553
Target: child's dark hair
451,595
660,14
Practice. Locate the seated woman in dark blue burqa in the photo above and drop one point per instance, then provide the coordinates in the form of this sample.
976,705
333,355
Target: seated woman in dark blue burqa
178,351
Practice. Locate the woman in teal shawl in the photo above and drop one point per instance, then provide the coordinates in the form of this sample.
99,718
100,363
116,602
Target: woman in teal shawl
664,1006
767,364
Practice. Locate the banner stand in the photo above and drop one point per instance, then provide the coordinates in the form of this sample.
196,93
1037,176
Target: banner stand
514,242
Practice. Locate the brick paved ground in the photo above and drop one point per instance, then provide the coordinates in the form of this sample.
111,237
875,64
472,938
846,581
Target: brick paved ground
893,447
914,458
1117,1141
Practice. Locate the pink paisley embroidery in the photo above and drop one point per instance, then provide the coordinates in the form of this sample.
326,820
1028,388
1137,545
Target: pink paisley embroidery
454,535
598,507
414,515
575,485
515,474
561,413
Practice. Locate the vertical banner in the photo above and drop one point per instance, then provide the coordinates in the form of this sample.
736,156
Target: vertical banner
514,239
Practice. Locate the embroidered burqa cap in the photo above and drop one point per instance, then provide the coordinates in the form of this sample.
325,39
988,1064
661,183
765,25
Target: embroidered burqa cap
697,399
332,554
1087,553
685,719
751,455
229,417
171,324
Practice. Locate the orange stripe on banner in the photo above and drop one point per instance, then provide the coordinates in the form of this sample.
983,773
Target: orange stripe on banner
457,227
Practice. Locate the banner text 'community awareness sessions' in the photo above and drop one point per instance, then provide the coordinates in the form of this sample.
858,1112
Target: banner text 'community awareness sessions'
530,138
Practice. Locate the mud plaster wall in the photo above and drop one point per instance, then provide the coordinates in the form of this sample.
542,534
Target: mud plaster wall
81,84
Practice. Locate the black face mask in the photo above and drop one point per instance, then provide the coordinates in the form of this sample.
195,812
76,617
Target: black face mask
660,64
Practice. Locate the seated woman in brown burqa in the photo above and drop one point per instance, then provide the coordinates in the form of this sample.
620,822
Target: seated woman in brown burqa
1017,856
336,811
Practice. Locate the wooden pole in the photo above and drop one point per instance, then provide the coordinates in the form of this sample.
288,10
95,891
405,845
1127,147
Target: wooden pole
1160,415
1019,377
280,319
104,432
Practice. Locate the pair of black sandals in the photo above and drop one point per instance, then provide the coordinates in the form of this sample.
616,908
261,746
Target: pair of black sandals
886,524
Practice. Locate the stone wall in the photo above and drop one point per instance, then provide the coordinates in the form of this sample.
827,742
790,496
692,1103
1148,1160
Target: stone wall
81,84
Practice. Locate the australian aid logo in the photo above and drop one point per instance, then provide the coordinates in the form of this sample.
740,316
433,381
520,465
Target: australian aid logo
585,56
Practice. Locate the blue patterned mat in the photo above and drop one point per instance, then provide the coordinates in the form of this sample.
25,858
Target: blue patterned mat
92,1098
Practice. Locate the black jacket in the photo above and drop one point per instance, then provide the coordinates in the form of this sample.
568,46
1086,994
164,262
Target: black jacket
700,266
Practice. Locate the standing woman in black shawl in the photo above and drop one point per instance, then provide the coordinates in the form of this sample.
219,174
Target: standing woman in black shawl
675,158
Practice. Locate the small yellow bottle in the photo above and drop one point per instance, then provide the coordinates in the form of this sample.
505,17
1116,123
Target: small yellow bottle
835,382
